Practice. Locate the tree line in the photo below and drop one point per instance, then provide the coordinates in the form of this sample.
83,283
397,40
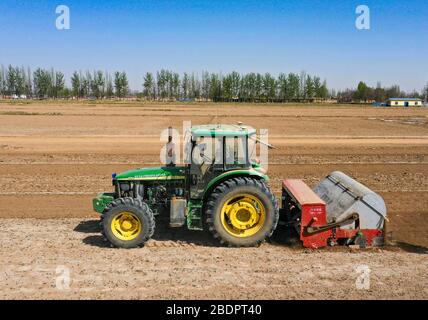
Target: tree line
169,85
364,93
50,83
233,86
163,85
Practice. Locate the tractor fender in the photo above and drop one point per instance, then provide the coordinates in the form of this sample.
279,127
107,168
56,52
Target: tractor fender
233,174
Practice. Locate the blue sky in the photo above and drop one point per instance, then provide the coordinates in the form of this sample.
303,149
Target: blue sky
220,36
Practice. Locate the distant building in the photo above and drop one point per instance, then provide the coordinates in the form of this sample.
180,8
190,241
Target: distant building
404,102
15,96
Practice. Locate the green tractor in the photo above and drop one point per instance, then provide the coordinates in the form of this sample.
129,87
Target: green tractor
221,188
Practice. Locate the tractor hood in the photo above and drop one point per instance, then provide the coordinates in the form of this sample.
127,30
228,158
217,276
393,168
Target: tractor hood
154,173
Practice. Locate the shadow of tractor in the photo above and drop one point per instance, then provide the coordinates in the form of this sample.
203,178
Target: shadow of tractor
163,236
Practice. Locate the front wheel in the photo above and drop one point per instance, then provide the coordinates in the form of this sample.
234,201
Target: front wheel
128,223
242,212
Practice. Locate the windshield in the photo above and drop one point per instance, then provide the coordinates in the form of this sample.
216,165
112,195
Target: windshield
236,150
207,150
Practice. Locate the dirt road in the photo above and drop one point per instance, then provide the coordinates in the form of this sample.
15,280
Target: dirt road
54,157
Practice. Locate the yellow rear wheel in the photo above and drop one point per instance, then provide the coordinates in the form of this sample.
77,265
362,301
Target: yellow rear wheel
242,212
243,215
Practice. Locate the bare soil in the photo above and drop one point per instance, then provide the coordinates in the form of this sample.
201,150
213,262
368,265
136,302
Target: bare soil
55,156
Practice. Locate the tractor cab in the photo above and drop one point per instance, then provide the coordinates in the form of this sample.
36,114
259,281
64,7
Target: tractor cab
213,150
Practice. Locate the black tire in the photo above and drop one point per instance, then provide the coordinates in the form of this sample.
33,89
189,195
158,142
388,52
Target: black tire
139,209
232,188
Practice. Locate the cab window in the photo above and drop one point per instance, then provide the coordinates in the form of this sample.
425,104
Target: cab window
235,154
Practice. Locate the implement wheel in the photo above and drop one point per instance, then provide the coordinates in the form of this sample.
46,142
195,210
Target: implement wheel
128,223
242,212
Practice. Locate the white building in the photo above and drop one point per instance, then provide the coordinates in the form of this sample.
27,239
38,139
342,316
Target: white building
404,102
